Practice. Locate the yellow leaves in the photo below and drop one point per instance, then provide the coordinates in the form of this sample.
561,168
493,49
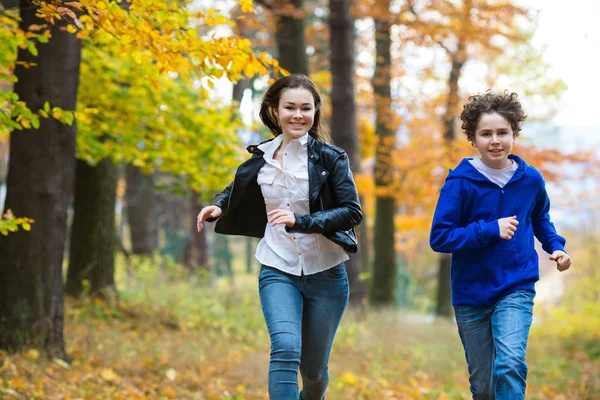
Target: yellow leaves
61,363
9,223
169,392
32,354
37,28
348,379
246,6
109,375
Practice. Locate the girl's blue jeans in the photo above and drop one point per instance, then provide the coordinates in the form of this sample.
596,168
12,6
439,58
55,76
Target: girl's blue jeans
302,315
495,343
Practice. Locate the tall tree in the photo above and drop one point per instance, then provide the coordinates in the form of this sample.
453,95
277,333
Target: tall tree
343,113
93,232
384,267
141,210
457,59
39,185
290,37
289,33
196,253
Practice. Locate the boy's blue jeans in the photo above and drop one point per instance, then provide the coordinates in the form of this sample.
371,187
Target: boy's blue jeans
302,315
495,343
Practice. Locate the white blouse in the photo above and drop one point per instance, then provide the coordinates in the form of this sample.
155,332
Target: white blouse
287,188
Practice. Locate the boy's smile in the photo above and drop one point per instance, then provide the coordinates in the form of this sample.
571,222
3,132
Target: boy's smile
494,139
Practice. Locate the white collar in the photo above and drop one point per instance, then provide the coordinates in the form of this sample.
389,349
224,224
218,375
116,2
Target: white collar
270,147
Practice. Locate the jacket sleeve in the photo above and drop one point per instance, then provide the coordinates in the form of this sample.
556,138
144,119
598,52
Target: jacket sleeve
347,211
543,228
448,237
221,200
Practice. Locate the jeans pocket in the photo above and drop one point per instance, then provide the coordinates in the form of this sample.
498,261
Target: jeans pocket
338,272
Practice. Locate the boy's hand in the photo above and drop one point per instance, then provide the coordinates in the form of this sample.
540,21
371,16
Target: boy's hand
563,261
508,227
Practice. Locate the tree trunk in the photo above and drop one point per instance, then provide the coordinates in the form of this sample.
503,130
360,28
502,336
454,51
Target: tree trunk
93,233
141,211
343,120
196,253
290,42
39,186
384,266
444,291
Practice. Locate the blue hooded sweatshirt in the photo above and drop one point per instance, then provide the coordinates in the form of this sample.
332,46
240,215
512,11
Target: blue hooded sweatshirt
485,268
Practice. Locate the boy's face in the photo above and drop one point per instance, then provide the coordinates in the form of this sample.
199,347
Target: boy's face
494,139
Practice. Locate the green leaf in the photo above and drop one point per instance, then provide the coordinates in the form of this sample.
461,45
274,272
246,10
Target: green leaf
32,49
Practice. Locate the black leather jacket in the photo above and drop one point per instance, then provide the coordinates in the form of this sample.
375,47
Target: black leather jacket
333,198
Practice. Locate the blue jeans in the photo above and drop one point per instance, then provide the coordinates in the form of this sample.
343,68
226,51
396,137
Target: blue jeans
495,343
302,315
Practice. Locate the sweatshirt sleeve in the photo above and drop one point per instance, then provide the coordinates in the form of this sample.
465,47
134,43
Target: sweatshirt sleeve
543,228
447,236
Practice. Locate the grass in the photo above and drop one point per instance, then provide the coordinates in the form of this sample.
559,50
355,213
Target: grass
168,338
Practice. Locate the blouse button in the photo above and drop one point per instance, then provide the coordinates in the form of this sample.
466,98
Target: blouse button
323,173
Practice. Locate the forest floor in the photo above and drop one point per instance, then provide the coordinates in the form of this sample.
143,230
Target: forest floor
168,338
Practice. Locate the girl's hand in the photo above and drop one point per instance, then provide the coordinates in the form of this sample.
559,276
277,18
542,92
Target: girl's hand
508,227
207,212
279,216
563,261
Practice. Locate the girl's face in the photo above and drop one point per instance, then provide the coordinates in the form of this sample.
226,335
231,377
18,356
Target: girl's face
295,113
494,139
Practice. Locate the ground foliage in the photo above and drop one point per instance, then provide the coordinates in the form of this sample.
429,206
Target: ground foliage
170,336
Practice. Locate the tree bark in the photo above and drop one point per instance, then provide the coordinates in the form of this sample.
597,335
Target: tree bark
93,233
343,120
39,186
196,253
384,266
290,41
444,290
141,210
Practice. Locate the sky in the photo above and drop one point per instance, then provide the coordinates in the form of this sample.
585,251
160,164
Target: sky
571,32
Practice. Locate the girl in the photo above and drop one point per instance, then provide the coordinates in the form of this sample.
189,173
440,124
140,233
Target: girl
298,195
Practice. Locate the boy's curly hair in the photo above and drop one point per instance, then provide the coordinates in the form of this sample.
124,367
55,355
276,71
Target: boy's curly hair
505,104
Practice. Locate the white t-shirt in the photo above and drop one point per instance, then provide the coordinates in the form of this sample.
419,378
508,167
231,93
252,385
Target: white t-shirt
498,176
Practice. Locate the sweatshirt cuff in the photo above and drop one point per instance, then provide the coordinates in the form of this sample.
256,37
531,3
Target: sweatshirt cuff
488,231
556,245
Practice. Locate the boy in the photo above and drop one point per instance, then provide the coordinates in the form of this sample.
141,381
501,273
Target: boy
489,210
